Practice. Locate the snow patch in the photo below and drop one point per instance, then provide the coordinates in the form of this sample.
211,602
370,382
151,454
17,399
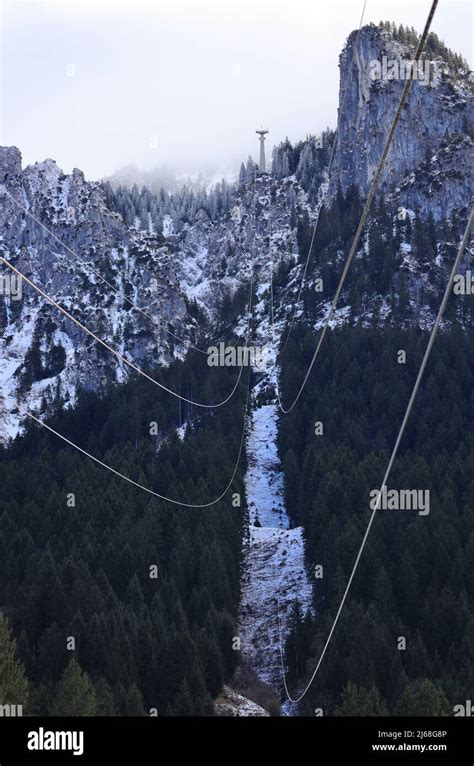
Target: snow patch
274,567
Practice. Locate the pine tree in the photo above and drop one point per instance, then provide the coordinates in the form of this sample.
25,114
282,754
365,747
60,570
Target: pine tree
104,699
14,687
358,701
75,694
422,698
183,702
130,701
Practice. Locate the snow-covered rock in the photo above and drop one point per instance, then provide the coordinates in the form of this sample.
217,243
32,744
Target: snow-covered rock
438,107
231,703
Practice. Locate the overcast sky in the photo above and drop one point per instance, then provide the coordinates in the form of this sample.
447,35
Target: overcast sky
97,84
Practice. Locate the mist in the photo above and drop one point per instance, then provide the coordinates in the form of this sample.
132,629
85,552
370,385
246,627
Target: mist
102,85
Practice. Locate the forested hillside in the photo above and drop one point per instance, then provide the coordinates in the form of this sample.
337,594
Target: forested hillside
415,576
398,277
148,592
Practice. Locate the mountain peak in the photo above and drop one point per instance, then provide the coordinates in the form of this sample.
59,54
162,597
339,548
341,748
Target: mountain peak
10,162
375,66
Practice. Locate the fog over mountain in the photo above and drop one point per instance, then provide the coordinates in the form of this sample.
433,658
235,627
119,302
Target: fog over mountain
183,83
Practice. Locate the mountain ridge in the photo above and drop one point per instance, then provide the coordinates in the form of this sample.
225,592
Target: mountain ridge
185,258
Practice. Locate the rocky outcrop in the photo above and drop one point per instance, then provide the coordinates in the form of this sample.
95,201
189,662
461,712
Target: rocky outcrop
10,163
438,112
442,183
232,704
58,230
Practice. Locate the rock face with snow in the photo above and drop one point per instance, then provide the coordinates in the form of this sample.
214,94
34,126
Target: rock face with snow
219,256
59,232
67,235
432,128
442,183
130,287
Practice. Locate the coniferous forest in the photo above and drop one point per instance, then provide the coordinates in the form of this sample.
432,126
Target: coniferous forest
148,592
415,577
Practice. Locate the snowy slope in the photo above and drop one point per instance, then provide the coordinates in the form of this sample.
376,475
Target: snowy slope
274,559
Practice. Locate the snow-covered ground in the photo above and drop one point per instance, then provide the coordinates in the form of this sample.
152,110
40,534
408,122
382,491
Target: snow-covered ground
264,479
231,703
274,559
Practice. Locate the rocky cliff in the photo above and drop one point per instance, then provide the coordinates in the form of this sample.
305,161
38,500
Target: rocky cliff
428,164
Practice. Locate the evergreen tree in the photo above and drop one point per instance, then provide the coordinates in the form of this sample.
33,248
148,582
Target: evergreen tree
75,694
422,698
14,687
